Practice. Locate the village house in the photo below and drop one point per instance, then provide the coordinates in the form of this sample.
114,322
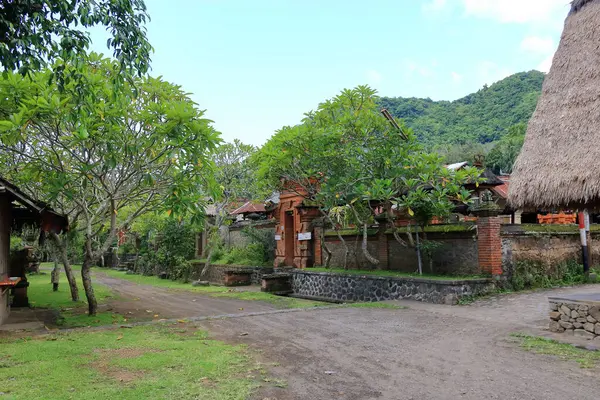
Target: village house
559,163
16,210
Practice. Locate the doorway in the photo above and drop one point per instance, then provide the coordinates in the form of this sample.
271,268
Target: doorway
288,235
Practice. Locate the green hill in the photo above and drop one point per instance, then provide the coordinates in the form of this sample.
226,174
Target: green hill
480,117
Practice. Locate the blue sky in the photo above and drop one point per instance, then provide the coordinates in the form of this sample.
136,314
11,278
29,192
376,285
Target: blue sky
256,66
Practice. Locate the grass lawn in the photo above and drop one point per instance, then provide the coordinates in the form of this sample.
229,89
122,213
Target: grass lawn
72,313
567,352
398,274
146,362
216,291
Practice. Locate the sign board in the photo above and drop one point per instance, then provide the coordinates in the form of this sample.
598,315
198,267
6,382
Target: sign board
304,235
277,237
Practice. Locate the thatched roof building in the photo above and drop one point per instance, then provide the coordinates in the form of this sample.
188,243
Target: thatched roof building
559,165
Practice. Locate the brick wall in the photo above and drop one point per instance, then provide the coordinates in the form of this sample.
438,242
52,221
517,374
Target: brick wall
489,245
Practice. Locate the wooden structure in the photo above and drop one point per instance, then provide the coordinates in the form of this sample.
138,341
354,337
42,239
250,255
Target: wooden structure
18,209
294,232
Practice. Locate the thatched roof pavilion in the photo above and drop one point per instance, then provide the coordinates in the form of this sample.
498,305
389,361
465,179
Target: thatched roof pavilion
559,165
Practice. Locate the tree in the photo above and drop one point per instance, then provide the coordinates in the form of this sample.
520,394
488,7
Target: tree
235,177
106,151
365,170
502,157
34,33
480,117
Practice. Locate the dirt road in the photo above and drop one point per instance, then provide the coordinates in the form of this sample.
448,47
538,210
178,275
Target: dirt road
425,351
146,300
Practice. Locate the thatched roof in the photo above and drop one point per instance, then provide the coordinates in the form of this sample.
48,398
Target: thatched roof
559,165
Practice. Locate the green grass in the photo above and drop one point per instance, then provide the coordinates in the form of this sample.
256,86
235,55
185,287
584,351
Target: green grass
72,314
437,228
216,291
397,274
566,352
278,301
149,362
556,228
375,305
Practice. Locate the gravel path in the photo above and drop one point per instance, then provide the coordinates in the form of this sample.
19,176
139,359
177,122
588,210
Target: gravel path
425,351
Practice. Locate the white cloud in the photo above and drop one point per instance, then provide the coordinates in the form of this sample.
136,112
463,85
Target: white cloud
374,77
423,70
518,11
456,77
537,45
434,5
507,11
546,64
489,72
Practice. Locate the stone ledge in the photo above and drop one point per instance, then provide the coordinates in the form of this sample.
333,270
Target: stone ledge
577,315
352,288
448,282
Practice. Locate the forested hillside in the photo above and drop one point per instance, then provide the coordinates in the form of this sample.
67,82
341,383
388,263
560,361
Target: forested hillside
481,117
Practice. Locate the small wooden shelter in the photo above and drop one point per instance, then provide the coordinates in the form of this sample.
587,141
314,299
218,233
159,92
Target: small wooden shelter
18,209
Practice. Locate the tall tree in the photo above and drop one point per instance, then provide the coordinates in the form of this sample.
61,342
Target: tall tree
34,33
236,179
140,150
505,151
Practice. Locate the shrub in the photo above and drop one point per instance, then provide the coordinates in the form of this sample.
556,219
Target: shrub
537,274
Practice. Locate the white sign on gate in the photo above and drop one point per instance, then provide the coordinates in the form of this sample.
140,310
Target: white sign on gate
305,236
277,237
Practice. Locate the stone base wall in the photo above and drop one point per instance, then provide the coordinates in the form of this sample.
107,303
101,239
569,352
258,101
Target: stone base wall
216,273
341,287
576,318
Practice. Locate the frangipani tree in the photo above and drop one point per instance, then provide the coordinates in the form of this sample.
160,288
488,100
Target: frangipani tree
141,149
364,168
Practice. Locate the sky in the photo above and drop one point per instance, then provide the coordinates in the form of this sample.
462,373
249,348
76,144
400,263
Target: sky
256,66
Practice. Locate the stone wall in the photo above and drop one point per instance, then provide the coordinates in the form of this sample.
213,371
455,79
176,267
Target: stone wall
216,273
579,318
456,255
546,247
233,236
356,258
343,287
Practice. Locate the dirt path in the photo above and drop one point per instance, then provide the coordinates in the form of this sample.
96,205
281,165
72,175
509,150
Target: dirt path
146,301
426,351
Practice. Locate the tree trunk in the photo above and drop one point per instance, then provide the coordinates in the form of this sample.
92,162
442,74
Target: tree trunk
64,258
346,249
324,247
87,285
365,249
420,265
207,262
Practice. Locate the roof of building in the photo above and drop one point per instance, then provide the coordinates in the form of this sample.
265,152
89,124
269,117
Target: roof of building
502,190
250,207
33,211
558,165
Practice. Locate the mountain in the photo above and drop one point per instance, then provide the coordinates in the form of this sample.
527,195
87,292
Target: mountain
480,117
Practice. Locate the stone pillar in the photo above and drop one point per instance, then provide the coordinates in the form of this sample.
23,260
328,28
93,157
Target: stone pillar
489,241
318,229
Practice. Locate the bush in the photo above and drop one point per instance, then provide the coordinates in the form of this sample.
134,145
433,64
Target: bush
537,274
260,250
